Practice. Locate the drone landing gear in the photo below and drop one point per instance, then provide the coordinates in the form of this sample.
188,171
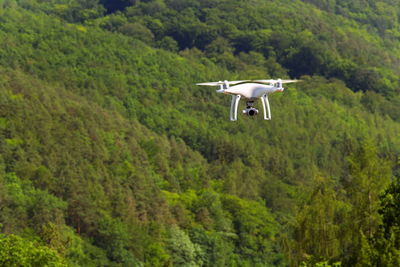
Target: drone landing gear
250,110
265,103
234,107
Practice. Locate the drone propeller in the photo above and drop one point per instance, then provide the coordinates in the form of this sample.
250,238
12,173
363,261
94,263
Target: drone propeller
290,81
221,83
264,81
274,81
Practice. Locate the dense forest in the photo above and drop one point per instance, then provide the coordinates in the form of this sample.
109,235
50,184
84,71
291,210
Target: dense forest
110,155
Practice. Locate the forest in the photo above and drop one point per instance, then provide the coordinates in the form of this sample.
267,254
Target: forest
110,155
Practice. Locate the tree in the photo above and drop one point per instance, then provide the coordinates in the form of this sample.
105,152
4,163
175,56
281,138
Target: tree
138,31
383,248
368,176
319,234
16,251
183,251
117,5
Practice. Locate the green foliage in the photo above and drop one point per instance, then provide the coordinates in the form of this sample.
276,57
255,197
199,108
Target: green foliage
110,156
368,177
320,231
256,229
16,251
183,251
388,208
321,264
383,247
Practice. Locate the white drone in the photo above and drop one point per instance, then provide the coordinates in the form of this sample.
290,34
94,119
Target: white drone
251,90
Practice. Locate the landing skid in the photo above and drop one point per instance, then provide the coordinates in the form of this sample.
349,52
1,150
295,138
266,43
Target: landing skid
249,104
265,103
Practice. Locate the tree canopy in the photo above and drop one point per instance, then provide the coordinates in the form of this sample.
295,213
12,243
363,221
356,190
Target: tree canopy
111,156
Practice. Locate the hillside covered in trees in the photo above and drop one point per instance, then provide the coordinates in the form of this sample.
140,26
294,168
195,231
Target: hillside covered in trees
110,155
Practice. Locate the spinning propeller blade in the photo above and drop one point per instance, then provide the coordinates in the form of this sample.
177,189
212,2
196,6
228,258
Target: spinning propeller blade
274,81
210,84
221,82
265,81
290,81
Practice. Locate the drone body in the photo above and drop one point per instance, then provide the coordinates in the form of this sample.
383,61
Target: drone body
250,90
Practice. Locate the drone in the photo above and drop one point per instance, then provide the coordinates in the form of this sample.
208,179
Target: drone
250,90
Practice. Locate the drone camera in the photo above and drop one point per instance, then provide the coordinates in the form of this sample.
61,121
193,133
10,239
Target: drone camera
250,111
